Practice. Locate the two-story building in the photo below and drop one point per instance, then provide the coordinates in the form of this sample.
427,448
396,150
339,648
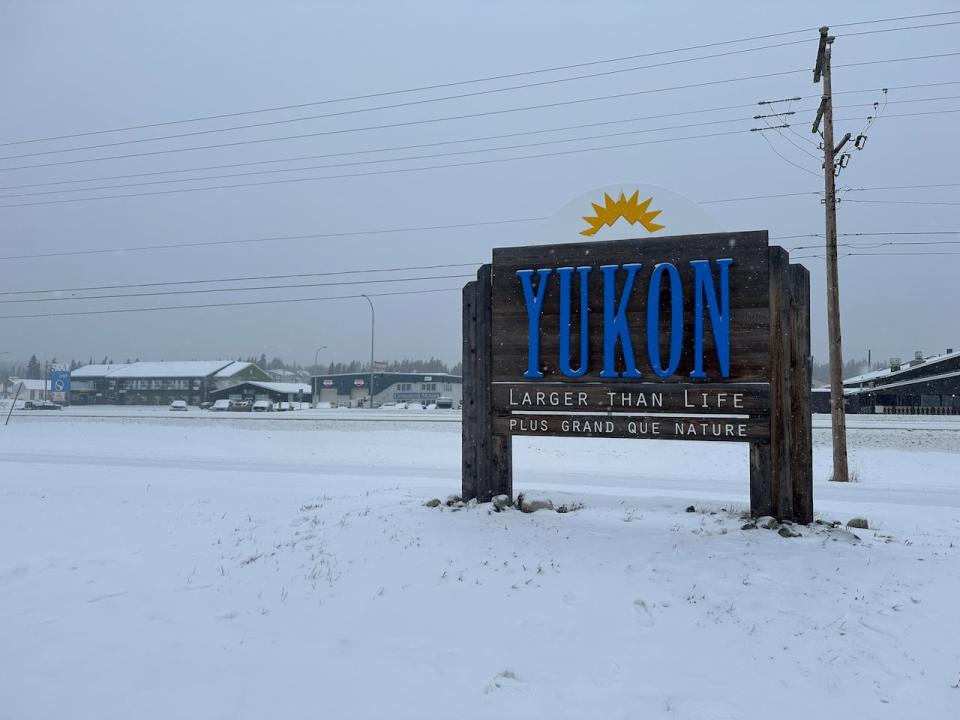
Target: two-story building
158,382
353,389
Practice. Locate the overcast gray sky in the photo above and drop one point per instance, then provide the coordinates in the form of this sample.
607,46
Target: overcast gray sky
68,67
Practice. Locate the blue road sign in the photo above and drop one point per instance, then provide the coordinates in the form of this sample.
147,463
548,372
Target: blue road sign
60,381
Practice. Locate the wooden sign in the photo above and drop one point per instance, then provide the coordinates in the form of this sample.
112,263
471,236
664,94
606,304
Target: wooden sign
697,337
606,316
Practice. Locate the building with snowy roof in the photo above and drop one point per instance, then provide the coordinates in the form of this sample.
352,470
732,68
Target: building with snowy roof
28,389
353,389
253,390
925,385
158,382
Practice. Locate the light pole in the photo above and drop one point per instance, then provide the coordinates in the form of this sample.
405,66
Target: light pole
316,363
373,321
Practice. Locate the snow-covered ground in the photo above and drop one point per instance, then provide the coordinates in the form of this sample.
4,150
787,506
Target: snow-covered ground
156,566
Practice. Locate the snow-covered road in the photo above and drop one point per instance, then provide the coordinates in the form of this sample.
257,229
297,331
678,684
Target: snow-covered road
158,569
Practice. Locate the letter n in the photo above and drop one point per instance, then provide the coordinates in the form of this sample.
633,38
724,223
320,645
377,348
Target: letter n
719,309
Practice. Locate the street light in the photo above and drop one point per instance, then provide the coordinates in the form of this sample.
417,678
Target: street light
373,320
316,363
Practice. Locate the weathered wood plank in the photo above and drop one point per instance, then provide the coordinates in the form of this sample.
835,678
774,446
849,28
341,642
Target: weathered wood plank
801,448
651,427
484,349
749,315
502,466
782,494
761,492
470,423
705,399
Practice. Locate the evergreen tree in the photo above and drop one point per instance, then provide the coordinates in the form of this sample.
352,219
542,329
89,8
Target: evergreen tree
33,368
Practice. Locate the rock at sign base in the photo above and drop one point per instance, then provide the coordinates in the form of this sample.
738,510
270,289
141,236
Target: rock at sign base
501,502
452,500
432,503
768,522
858,522
749,526
691,508
787,532
532,504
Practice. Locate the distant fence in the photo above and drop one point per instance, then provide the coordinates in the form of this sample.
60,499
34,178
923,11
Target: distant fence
915,410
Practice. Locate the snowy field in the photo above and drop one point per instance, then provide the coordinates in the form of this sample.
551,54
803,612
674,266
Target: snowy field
158,565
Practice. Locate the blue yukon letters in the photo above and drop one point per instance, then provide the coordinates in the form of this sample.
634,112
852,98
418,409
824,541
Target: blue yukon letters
618,310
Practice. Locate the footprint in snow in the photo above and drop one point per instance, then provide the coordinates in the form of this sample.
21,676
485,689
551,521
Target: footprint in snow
506,680
642,613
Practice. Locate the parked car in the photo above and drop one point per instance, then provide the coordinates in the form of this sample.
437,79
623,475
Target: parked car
206,405
389,405
263,406
42,405
240,406
180,405
220,405
445,403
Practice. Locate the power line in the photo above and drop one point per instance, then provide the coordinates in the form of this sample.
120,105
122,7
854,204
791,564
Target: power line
393,106
899,202
312,285
489,78
897,29
376,172
431,228
464,116
429,120
246,278
204,291
871,246
444,266
390,171
275,238
856,254
433,144
777,152
378,161
327,298
229,304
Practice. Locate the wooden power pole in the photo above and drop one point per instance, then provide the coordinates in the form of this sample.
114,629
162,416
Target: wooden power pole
839,420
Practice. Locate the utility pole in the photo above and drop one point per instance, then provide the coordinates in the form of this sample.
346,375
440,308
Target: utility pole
373,322
838,416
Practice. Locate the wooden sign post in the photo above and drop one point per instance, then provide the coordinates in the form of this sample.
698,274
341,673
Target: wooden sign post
695,337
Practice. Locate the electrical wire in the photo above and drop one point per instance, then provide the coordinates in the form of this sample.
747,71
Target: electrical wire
557,153
418,122
204,291
431,228
445,266
275,238
435,144
246,278
229,304
410,103
397,170
489,78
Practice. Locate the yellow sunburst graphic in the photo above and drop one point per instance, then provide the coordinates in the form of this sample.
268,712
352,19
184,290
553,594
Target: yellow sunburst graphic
632,210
